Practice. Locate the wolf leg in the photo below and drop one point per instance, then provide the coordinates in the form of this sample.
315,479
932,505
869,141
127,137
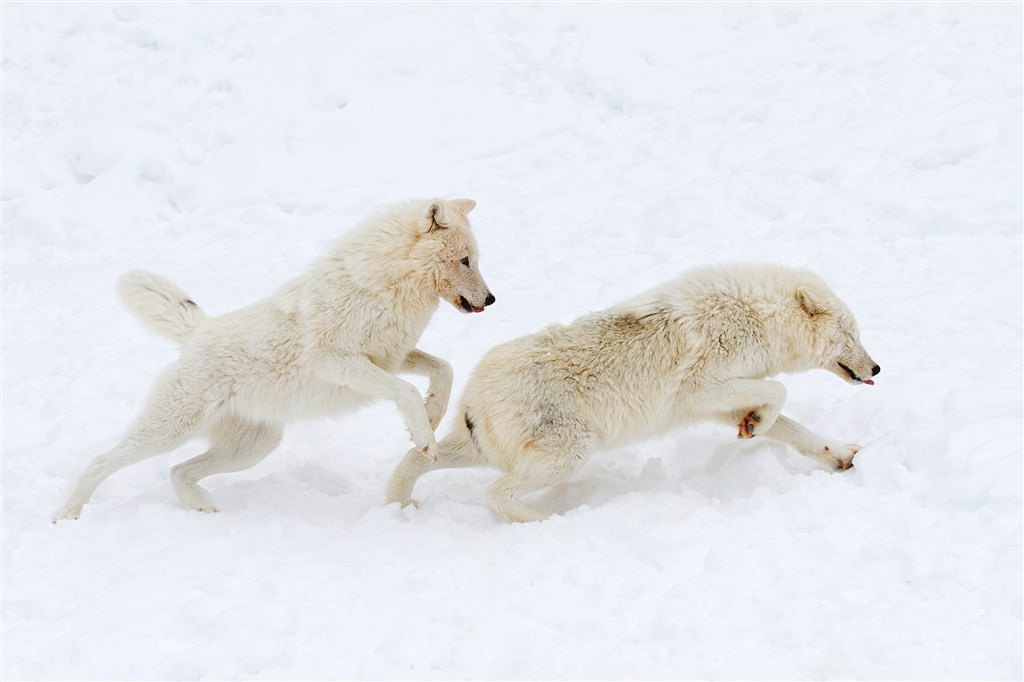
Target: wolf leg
237,445
787,431
361,375
504,495
455,451
440,389
752,404
549,462
167,421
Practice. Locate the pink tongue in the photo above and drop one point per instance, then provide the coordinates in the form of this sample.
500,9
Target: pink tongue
478,310
869,382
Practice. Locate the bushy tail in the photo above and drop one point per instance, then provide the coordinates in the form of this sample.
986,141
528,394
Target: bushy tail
160,304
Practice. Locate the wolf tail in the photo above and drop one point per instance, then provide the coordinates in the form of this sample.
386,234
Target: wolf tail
160,304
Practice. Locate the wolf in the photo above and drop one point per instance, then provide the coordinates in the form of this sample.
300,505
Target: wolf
696,348
325,342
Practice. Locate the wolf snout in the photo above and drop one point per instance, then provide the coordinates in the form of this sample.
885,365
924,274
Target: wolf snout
489,300
850,374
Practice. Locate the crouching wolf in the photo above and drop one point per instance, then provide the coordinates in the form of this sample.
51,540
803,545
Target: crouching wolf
325,342
697,348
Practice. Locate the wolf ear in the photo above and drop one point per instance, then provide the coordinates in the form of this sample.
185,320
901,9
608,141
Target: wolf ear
436,219
463,206
810,301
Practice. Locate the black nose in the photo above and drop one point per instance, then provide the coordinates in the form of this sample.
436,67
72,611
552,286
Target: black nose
875,370
489,300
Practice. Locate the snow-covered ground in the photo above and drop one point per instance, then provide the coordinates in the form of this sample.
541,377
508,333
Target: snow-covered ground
610,147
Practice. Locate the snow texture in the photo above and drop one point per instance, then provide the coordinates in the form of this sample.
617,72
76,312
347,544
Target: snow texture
610,147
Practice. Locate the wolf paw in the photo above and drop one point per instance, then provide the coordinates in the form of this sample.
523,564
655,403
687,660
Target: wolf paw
749,425
840,456
402,498
429,450
63,515
425,441
206,508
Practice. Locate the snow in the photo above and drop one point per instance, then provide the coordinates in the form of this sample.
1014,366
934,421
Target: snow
610,147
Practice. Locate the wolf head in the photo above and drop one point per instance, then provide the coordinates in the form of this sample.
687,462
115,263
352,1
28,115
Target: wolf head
457,274
836,338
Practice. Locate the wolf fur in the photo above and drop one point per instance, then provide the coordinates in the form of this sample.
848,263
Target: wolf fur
697,348
325,342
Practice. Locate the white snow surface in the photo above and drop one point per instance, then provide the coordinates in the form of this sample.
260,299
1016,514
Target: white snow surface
610,147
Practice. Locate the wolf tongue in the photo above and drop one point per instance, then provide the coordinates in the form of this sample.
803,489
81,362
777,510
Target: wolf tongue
869,382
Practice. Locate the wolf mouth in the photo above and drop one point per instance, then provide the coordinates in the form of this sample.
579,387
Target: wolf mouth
469,308
853,375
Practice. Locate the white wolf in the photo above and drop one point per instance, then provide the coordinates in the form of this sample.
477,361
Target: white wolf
325,342
696,348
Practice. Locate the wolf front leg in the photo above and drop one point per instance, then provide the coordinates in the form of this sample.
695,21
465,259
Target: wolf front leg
752,404
439,391
787,431
362,376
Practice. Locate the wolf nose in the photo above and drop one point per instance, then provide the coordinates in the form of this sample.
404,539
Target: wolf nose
875,370
489,300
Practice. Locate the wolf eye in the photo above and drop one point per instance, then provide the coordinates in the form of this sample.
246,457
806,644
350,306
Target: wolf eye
465,261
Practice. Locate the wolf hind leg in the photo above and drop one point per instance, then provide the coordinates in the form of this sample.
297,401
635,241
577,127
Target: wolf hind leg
238,444
165,424
538,466
455,451
504,496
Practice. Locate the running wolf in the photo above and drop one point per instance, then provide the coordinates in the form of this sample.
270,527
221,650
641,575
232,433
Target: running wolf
697,348
325,342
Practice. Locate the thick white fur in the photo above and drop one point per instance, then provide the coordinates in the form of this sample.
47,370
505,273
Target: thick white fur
160,304
697,348
325,342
